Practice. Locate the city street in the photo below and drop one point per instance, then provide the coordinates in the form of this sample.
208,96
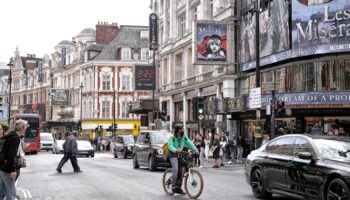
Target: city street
104,177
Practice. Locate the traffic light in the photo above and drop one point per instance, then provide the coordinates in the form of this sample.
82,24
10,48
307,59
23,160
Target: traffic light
194,108
115,126
198,108
1,105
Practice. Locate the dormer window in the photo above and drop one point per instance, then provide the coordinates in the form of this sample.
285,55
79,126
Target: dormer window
126,54
144,34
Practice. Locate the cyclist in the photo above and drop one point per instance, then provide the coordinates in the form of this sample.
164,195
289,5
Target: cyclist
176,144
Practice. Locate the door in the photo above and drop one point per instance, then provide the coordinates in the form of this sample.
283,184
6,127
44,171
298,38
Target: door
303,177
279,154
143,147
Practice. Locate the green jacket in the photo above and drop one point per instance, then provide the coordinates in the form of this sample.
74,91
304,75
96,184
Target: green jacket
173,144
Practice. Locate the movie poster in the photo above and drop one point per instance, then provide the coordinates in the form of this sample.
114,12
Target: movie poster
320,26
274,28
211,42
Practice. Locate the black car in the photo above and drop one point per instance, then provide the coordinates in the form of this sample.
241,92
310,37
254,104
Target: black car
148,149
124,146
301,166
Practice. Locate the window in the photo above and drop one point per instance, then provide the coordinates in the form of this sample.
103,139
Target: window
181,26
144,54
194,13
144,34
124,109
281,146
105,109
125,82
106,82
301,145
126,54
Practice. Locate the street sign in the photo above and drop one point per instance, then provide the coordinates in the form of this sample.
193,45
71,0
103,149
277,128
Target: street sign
59,97
255,98
153,31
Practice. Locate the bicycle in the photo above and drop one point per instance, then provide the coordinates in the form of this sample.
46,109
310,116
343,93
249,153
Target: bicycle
192,178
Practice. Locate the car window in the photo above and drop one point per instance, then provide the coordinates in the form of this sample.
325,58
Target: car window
301,145
120,140
143,137
281,146
333,149
129,139
160,138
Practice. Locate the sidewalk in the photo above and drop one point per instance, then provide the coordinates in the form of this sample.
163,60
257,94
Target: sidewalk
228,167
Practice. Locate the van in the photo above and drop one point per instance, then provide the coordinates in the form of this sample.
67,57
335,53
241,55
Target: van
46,141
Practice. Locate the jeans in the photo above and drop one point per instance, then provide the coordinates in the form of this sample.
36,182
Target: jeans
176,180
239,153
7,186
73,160
202,155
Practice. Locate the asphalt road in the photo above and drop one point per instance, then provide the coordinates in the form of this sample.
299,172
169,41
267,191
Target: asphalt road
105,177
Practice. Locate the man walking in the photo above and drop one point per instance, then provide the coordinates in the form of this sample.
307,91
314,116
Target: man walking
8,166
70,148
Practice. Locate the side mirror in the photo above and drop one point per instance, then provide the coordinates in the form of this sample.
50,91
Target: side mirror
305,155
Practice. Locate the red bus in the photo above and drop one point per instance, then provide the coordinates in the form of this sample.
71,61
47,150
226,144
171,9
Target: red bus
32,135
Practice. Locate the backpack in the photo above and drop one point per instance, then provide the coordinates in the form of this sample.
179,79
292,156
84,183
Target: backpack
166,151
2,155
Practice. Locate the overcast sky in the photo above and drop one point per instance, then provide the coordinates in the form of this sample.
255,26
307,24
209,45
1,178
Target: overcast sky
37,26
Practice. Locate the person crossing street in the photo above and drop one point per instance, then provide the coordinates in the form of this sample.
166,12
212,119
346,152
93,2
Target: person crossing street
70,148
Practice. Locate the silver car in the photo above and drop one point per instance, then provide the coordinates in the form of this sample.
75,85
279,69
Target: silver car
58,146
85,148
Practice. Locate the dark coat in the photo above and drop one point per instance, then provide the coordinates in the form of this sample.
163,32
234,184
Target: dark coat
71,145
10,150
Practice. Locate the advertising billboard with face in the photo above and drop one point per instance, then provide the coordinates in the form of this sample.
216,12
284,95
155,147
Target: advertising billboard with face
211,39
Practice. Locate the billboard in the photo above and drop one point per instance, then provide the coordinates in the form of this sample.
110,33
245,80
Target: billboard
210,42
144,77
317,27
274,31
59,97
321,26
4,112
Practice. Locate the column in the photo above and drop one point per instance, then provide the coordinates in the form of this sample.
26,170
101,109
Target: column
171,113
185,111
172,18
188,17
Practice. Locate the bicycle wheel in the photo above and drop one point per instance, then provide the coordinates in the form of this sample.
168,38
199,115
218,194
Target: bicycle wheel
194,183
167,182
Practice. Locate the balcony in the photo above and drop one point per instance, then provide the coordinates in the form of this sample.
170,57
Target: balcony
178,84
208,75
180,3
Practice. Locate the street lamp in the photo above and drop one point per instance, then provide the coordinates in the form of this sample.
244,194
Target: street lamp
81,104
10,64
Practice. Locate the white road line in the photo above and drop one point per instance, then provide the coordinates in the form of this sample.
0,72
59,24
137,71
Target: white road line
29,194
23,191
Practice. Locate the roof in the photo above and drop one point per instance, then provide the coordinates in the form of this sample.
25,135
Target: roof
88,31
65,42
128,36
95,47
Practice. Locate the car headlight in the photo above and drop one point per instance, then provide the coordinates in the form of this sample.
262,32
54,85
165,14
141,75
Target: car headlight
129,147
160,151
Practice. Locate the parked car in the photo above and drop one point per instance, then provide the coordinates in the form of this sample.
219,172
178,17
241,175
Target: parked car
85,148
148,149
57,146
124,146
301,166
46,141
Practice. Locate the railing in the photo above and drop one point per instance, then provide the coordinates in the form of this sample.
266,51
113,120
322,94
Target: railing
208,75
178,84
191,80
180,3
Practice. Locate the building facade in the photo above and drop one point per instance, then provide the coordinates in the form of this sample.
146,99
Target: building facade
180,78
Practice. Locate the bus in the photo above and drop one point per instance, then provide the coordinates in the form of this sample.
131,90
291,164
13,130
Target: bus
32,135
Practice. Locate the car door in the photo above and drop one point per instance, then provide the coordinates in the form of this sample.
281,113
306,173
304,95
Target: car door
142,148
303,176
275,164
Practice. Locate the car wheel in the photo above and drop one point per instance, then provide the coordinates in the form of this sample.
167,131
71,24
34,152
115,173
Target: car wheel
135,163
337,189
259,186
115,154
92,155
152,163
87,155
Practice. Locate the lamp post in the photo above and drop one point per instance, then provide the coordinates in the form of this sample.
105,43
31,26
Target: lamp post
257,70
81,105
10,83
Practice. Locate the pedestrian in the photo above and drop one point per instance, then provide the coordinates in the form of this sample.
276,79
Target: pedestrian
216,151
198,143
20,160
239,145
201,151
206,149
8,172
222,152
70,148
3,130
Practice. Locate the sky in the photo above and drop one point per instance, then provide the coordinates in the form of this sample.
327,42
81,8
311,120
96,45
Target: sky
37,26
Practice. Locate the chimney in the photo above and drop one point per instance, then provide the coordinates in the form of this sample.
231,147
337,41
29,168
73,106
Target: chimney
105,32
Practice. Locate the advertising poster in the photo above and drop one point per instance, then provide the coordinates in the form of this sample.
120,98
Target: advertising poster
211,41
144,77
320,26
59,97
274,28
248,37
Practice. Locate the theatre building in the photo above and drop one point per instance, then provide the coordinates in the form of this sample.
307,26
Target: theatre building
305,61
